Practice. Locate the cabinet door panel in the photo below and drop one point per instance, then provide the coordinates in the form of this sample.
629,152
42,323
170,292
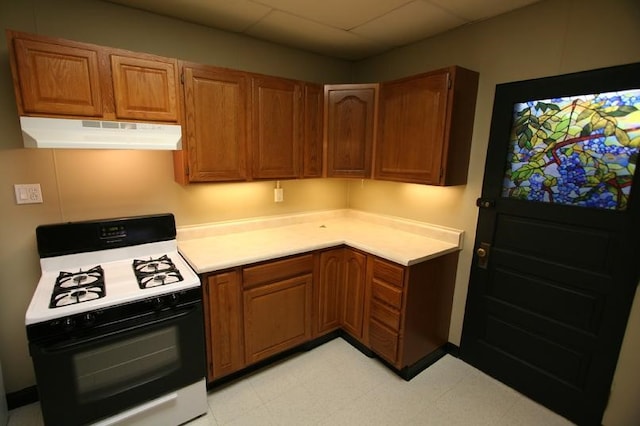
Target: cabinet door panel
352,298
145,89
312,139
331,281
223,320
277,317
56,79
412,129
216,124
276,134
350,129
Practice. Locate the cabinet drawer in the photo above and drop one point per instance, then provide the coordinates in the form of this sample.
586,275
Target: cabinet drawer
388,272
386,293
276,270
383,341
385,314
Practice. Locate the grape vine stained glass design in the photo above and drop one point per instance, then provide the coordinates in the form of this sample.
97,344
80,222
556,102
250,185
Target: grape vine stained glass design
575,150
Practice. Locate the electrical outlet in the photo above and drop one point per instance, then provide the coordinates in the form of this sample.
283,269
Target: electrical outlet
278,195
29,193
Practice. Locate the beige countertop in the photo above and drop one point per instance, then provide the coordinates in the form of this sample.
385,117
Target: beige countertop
223,245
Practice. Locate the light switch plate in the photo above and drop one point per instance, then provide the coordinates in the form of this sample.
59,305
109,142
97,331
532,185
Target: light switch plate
28,193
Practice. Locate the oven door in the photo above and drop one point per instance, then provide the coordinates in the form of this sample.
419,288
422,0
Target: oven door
106,371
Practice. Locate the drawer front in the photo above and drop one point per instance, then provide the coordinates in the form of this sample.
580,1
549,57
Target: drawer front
383,341
386,293
388,272
276,270
385,314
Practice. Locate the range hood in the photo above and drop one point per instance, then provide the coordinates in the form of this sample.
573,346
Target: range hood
39,132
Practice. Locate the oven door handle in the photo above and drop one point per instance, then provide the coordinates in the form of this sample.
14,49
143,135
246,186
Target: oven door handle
98,334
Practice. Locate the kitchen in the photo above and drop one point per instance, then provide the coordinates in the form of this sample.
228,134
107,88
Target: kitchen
81,185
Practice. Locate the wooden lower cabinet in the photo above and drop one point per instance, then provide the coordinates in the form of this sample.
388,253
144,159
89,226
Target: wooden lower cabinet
401,313
352,297
223,324
330,280
277,306
409,308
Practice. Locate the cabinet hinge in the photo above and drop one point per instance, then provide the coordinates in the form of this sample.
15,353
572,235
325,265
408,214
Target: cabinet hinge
448,80
182,78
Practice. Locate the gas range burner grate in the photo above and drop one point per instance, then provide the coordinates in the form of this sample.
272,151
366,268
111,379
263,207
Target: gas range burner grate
76,287
155,272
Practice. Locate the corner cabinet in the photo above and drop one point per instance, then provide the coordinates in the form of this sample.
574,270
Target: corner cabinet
349,129
425,127
61,78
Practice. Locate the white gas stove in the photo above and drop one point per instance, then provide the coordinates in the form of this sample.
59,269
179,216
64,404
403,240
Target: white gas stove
115,325
83,282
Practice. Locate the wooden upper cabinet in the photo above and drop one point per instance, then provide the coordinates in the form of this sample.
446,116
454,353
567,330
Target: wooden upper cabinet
312,135
216,123
350,121
145,89
54,79
425,127
57,77
276,127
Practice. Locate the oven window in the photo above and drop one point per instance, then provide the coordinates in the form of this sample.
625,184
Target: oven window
115,367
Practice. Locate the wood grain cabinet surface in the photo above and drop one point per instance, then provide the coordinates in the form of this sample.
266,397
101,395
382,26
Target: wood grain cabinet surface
349,129
216,125
328,290
145,88
276,118
61,78
409,309
312,159
425,127
352,299
277,306
223,323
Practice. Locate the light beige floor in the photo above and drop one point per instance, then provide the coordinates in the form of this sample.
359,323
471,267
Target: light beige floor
334,384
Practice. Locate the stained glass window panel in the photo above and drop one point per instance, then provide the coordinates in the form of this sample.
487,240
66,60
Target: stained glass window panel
578,150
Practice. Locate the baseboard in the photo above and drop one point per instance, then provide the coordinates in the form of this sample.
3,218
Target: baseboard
22,397
453,350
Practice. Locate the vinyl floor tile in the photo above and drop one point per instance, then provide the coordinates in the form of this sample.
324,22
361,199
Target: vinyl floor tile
334,384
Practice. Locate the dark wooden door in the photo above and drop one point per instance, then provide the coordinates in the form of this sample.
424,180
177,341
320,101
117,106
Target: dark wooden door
556,262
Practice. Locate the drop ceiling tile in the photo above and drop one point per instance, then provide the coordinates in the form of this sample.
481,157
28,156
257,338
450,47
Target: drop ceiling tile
474,10
414,21
290,30
236,15
343,14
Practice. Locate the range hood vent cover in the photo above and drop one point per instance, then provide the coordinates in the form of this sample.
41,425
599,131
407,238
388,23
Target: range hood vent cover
40,132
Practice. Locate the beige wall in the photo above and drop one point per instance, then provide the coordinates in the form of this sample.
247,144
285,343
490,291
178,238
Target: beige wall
548,38
91,184
553,37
